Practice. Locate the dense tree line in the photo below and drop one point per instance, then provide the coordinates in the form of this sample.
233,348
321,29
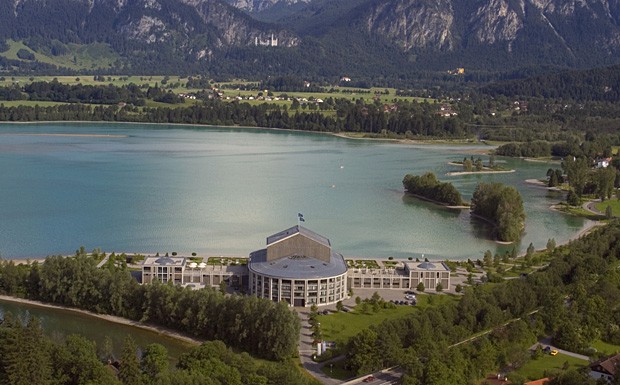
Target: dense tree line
108,94
575,300
527,149
289,84
503,206
28,357
412,120
598,84
429,187
251,324
592,146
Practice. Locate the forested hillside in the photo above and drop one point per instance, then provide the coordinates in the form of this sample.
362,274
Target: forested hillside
600,84
571,300
388,40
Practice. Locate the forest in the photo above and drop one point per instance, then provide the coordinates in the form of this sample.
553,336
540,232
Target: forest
28,357
257,326
501,205
412,120
575,300
429,187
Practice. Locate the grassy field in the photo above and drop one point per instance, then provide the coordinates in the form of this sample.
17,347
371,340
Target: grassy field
30,103
535,369
117,80
578,211
177,84
614,203
91,56
605,347
341,326
349,93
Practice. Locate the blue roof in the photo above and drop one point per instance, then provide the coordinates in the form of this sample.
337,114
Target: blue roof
298,230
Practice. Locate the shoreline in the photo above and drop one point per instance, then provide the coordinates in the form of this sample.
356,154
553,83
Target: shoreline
110,318
456,173
67,135
437,203
341,135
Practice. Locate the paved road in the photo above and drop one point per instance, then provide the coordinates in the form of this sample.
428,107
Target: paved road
547,342
103,261
306,351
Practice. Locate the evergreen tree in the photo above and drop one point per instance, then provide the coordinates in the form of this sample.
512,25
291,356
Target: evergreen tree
129,373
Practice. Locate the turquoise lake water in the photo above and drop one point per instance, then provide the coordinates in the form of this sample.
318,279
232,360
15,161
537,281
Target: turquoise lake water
222,191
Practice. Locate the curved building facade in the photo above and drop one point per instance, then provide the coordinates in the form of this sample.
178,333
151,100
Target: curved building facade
299,267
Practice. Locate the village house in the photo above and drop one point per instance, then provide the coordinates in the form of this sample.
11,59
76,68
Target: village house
605,368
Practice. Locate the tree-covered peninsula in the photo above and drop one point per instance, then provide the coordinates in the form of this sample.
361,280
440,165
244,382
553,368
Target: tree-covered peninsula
502,205
427,186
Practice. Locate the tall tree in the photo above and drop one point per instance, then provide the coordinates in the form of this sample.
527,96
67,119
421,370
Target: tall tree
129,372
28,362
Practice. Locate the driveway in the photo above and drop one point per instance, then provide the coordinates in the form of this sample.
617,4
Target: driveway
306,351
547,342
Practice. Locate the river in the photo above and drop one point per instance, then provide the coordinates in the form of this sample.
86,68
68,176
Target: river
222,191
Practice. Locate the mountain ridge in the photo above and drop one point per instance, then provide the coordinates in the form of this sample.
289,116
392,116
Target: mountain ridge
355,34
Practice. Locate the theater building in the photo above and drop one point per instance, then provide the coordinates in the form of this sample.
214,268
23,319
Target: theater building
298,266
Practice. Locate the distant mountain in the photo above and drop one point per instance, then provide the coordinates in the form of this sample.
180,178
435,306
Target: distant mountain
142,31
363,38
477,34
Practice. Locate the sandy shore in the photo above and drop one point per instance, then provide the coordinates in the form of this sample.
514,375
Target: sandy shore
537,182
453,173
436,202
68,135
109,318
26,261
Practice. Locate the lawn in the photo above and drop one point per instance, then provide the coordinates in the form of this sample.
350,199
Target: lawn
29,103
578,211
362,263
614,203
341,326
605,347
535,369
225,261
78,56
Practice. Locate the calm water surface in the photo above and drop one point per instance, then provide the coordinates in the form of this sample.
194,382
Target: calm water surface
58,324
222,191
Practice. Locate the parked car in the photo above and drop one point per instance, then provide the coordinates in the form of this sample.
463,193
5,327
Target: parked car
369,379
547,349
554,352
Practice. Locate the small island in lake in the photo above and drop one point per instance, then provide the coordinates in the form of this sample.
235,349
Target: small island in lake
427,187
471,166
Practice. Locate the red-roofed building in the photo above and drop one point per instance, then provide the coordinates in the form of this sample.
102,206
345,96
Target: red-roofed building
605,368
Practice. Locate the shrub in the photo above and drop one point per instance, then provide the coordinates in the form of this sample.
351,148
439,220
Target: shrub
24,54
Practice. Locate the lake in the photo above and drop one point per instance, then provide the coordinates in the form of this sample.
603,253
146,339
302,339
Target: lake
222,191
59,323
